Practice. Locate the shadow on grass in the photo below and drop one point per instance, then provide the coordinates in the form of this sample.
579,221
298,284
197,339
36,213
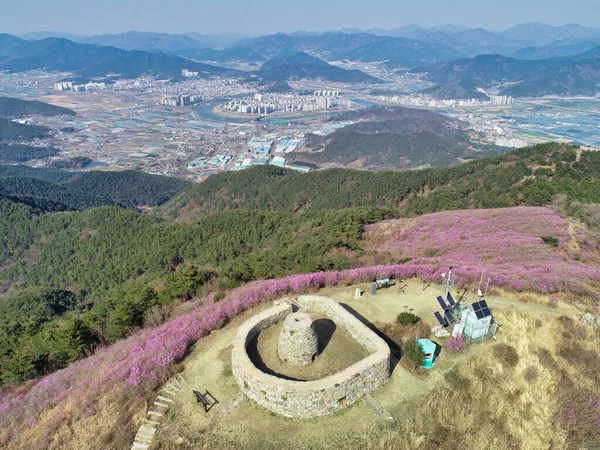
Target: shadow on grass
255,357
396,351
324,329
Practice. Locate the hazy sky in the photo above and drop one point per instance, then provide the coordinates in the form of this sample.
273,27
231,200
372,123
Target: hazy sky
259,17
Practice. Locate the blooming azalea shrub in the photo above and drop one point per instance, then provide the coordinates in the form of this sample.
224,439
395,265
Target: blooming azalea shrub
455,344
505,243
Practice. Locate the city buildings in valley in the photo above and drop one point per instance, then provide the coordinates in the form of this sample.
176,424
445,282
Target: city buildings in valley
71,86
180,100
188,74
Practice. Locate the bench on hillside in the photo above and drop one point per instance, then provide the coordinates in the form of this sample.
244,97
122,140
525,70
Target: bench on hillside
207,399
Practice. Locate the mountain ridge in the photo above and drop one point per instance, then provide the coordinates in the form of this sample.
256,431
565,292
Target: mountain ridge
528,78
301,65
57,54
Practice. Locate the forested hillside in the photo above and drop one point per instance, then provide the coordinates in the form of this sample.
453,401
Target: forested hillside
18,153
117,264
529,176
14,107
40,174
95,275
402,138
10,130
84,190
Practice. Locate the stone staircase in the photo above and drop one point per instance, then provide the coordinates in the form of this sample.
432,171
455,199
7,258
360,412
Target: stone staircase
160,406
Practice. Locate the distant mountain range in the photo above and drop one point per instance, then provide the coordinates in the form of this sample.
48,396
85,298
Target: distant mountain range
140,40
135,40
57,54
410,46
39,35
571,47
574,75
526,60
472,42
143,40
411,30
395,52
300,65
90,61
8,41
526,34
540,34
135,63
235,54
460,38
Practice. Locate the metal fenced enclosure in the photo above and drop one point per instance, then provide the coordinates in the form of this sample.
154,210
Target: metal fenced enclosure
479,332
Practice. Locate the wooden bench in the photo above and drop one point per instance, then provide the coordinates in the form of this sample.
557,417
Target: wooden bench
207,399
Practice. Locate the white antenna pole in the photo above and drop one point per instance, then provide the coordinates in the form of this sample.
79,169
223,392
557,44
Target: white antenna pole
448,283
487,287
480,280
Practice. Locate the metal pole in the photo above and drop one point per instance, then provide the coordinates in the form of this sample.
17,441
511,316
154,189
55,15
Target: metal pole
448,283
486,287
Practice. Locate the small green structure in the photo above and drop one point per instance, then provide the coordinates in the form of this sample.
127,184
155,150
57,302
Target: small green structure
429,348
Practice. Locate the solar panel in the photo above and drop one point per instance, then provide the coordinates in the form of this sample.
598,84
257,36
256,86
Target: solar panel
442,302
440,319
481,309
450,299
449,317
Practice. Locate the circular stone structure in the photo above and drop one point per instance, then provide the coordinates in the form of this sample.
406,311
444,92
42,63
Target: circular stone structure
307,399
298,343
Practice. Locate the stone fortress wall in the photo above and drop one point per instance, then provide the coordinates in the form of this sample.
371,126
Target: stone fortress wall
306,399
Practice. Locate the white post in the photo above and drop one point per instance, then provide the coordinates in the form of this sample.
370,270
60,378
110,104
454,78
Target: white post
486,287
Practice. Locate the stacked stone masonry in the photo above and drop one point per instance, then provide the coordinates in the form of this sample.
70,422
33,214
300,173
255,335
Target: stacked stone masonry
306,399
298,343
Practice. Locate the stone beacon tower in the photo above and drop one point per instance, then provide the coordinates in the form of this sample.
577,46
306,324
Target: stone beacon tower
298,343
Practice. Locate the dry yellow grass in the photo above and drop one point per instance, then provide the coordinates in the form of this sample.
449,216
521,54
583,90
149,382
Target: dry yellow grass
104,429
501,394
509,393
487,403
